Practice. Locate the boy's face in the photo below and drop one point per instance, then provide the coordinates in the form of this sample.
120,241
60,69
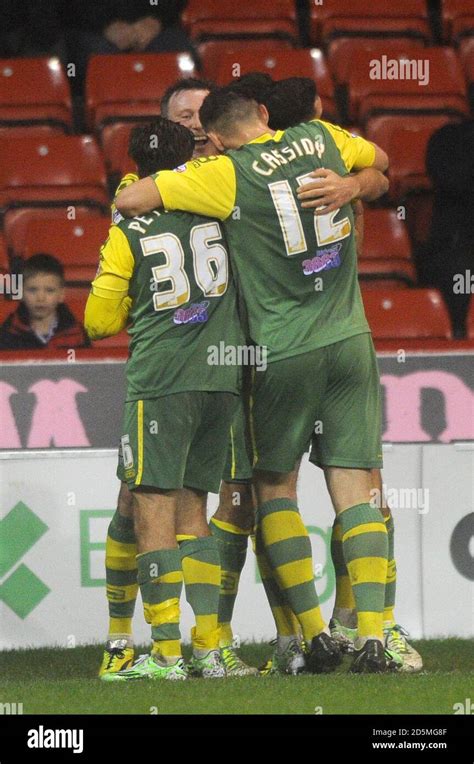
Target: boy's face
42,293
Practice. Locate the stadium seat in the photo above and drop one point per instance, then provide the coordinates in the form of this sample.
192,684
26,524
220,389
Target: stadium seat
281,64
406,147
458,19
17,222
34,92
211,51
75,245
6,307
120,340
390,272
419,212
470,320
77,304
385,236
342,49
443,93
467,58
4,265
406,18
61,169
129,86
114,139
207,19
406,313
381,129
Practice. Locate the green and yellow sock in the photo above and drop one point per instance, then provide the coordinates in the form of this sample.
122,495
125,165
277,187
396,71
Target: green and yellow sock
281,531
232,543
287,625
121,576
391,582
202,579
344,606
161,580
365,546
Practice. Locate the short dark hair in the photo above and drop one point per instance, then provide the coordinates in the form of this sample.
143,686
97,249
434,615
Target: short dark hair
188,83
224,108
290,102
160,145
256,85
42,263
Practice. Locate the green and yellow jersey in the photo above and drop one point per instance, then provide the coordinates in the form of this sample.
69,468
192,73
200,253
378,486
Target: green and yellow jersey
173,268
297,272
127,180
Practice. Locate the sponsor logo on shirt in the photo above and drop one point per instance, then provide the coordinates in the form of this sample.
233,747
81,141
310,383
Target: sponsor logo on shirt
180,168
116,217
195,314
325,260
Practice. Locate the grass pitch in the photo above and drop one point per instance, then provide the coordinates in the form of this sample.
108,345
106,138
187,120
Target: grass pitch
64,681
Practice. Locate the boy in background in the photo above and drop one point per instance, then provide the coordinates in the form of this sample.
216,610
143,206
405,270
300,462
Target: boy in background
42,320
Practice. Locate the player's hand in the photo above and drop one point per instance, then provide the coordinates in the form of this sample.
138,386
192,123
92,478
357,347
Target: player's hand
120,34
145,31
328,191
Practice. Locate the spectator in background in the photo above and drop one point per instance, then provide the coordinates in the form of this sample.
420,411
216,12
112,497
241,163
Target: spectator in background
31,28
450,251
42,319
122,26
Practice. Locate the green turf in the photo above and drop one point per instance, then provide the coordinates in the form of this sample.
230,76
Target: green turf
49,681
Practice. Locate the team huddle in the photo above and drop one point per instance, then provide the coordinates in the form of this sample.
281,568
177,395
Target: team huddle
240,231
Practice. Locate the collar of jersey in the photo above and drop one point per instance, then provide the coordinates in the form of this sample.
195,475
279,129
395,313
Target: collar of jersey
267,137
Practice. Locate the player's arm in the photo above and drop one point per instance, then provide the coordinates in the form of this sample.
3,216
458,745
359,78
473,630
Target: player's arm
332,191
108,304
364,158
130,177
203,187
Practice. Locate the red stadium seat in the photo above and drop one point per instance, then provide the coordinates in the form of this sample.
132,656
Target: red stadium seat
281,64
17,222
381,129
211,51
77,304
75,245
467,57
397,272
77,294
114,139
405,142
6,308
419,213
385,236
405,18
342,49
58,170
4,265
470,320
407,313
206,19
120,340
458,19
372,92
34,91
126,87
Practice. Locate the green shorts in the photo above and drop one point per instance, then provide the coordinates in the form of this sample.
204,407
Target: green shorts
238,465
176,440
328,399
